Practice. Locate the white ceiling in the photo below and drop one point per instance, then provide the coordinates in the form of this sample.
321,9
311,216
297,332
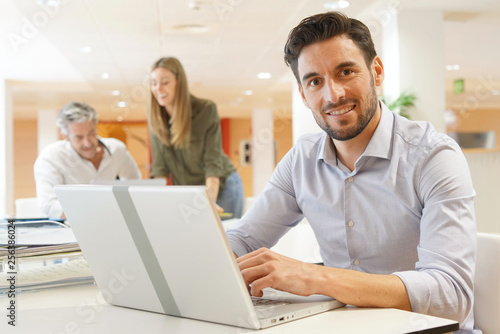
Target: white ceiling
40,48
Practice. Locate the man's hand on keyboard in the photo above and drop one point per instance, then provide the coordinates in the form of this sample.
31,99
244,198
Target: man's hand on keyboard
264,268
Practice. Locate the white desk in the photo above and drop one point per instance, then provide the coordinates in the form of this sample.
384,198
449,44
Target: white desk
81,309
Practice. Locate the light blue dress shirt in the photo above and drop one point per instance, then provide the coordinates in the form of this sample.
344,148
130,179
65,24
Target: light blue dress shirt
406,209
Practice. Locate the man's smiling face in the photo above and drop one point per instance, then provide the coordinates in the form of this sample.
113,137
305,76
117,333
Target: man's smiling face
338,86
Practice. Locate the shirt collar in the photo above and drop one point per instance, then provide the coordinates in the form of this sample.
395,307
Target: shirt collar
104,145
380,144
327,150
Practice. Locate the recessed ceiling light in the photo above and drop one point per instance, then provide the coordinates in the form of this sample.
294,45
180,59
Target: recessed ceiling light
191,28
105,75
115,92
86,49
332,5
264,75
248,92
452,67
121,104
51,3
194,5
495,92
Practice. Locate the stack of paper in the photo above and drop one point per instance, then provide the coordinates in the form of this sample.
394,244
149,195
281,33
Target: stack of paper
40,254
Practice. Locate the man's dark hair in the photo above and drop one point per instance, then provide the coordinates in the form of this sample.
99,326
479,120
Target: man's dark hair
321,27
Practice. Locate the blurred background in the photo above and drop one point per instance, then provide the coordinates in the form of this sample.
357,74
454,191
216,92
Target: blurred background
446,53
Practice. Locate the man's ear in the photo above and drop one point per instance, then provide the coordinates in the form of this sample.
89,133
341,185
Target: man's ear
378,71
304,100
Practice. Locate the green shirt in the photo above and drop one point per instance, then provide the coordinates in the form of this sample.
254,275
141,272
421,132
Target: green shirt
202,158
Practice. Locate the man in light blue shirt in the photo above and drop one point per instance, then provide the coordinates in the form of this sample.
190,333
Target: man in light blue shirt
390,200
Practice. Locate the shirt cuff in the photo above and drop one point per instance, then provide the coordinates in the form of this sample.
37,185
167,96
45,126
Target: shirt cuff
418,290
55,211
236,245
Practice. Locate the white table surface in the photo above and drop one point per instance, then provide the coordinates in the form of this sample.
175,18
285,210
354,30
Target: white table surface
81,309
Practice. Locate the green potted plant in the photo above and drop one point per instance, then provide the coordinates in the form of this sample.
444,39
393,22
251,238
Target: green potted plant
402,104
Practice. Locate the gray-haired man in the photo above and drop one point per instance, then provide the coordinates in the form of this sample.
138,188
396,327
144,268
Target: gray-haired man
80,158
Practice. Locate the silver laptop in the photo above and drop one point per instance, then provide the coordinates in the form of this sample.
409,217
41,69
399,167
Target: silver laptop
163,249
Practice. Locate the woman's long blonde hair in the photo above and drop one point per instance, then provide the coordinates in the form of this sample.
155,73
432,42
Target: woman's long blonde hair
180,123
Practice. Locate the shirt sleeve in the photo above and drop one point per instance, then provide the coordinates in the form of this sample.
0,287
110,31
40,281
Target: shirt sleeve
273,213
46,177
212,152
442,282
159,166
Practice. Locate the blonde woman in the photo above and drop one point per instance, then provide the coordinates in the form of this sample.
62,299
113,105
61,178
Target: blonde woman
186,138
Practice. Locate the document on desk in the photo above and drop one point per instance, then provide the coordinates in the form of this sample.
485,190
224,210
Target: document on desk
39,238
40,254
46,272
66,272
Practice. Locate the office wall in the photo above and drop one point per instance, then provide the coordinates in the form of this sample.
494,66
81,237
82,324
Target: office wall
477,120
485,171
241,129
484,165
135,136
25,153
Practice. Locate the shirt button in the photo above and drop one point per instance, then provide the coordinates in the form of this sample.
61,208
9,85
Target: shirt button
356,262
350,179
350,223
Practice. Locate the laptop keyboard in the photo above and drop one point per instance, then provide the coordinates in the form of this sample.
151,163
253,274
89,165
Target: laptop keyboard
261,304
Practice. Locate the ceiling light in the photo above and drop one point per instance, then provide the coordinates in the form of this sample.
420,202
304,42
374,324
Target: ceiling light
332,5
115,92
86,49
495,92
50,3
194,5
191,28
119,118
248,92
264,75
105,75
121,104
452,67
